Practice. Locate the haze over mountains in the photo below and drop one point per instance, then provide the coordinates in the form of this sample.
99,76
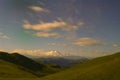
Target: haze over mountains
48,54
41,53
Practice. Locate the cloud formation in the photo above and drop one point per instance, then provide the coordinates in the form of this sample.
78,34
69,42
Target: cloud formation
116,45
46,34
37,53
48,29
4,36
49,26
93,53
38,9
57,44
87,42
1,50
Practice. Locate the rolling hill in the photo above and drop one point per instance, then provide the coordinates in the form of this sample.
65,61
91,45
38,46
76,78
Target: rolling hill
103,68
38,69
9,70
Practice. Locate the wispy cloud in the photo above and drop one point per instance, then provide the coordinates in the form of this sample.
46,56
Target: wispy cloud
116,45
46,34
38,9
57,44
49,26
48,29
80,23
1,50
4,36
87,42
92,53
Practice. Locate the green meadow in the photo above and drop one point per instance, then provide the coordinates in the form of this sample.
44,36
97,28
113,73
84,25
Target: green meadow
102,68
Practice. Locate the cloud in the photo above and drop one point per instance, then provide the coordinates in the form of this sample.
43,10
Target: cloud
48,29
91,53
57,44
116,45
87,42
80,23
46,34
49,26
4,36
37,53
38,9
1,50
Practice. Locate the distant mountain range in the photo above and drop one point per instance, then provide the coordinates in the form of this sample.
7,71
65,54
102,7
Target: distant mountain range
63,62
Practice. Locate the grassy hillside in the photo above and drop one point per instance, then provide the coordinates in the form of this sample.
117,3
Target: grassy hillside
9,70
103,68
31,66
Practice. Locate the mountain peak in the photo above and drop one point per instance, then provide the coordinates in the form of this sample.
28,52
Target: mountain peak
53,53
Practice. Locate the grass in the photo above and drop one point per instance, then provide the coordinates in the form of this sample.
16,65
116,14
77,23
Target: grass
27,64
9,70
103,68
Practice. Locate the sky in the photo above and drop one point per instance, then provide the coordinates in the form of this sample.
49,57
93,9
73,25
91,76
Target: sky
88,28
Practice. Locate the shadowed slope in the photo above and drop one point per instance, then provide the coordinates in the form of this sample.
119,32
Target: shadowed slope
9,70
31,66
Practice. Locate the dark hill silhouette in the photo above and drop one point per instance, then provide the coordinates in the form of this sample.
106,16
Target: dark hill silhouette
10,70
21,60
36,68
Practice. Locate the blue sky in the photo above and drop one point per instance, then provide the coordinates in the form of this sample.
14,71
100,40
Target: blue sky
73,27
